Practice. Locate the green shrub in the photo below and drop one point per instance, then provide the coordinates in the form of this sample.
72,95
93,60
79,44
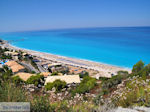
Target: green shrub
5,73
36,80
54,74
85,86
2,70
49,86
17,80
63,107
83,107
146,71
97,99
103,79
140,70
82,75
138,67
41,104
58,84
112,82
33,72
122,72
10,93
135,93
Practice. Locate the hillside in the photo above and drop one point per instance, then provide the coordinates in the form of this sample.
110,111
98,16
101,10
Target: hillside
122,92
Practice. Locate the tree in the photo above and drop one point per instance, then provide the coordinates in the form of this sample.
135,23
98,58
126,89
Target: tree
147,69
138,67
83,74
58,84
85,86
36,80
145,72
141,70
17,80
5,73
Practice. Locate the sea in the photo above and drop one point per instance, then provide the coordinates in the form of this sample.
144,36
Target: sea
120,46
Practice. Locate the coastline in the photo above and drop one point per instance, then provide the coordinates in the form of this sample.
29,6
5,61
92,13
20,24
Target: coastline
102,68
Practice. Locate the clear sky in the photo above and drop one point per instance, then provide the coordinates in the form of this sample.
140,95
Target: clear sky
21,15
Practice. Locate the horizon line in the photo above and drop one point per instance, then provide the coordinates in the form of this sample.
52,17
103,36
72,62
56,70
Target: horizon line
73,28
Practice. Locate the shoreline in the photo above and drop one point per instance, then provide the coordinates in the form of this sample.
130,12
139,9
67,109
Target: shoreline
88,64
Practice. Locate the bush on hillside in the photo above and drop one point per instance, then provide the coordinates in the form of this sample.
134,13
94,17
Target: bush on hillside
1,70
112,82
5,73
36,80
122,73
84,74
107,85
5,68
41,104
54,74
33,72
146,71
103,78
85,86
138,67
135,92
131,96
10,93
140,70
58,84
62,106
17,80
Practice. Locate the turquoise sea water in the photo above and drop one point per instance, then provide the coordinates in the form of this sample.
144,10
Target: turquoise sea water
121,46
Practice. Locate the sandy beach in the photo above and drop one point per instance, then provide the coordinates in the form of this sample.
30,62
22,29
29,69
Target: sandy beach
104,69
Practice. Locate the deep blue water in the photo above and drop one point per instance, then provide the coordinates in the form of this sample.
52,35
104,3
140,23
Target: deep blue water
122,46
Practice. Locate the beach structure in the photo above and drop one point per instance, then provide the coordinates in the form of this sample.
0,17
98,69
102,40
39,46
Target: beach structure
103,74
69,79
45,64
13,54
25,55
75,70
24,76
15,67
58,67
54,65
